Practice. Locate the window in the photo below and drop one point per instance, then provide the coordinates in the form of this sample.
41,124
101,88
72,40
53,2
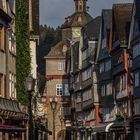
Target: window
107,65
120,83
59,90
84,55
66,90
136,76
59,66
79,18
109,89
136,107
118,58
65,111
103,90
102,67
136,50
91,47
87,95
78,98
86,74
104,43
77,78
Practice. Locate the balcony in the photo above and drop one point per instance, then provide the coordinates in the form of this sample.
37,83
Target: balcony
121,94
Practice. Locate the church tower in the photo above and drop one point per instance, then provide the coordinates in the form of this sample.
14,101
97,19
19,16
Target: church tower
72,27
80,5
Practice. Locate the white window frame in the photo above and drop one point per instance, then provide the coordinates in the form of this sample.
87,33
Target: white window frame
59,66
59,89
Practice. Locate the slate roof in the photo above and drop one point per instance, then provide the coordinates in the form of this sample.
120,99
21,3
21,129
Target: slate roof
107,18
57,50
106,24
92,28
122,15
72,21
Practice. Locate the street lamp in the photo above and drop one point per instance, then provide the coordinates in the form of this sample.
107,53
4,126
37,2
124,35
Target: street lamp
53,103
29,86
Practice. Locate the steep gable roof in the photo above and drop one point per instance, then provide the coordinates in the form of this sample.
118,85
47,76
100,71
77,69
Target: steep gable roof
104,29
92,28
57,50
122,18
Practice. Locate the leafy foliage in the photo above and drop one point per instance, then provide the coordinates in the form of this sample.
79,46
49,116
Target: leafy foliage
48,38
23,50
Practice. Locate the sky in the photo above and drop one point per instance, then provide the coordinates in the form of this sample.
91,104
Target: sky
53,12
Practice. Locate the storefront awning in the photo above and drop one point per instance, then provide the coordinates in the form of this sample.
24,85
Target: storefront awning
11,108
103,127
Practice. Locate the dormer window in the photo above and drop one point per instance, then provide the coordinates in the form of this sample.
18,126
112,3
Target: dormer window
65,48
79,18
